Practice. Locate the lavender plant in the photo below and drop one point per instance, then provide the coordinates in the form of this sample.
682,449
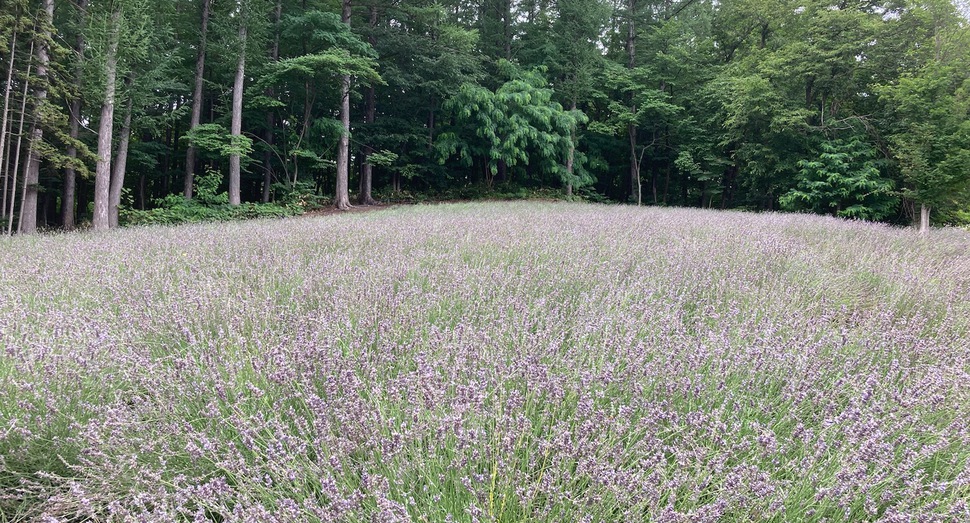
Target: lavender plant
488,362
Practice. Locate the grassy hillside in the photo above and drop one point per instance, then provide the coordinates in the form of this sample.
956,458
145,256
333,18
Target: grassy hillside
488,362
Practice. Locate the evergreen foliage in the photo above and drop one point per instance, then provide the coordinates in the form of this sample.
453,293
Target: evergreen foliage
843,181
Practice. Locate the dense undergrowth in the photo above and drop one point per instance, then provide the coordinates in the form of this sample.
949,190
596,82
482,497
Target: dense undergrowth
488,362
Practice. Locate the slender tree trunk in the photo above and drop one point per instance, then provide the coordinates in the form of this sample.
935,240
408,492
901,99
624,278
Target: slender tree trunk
142,181
197,97
83,196
631,49
102,176
20,135
634,165
164,181
727,191
342,196
69,194
431,124
666,183
5,172
120,165
924,218
274,56
639,184
507,29
3,125
237,106
268,157
28,208
45,209
23,194
570,158
366,169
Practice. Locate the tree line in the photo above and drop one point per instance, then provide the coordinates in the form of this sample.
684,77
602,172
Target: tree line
855,108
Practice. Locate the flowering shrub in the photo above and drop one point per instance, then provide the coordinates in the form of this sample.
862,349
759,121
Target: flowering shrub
488,362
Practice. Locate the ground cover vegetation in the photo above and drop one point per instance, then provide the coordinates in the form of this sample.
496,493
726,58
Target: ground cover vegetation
113,108
488,362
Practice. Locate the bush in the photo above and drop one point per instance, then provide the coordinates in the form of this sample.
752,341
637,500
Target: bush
302,195
207,206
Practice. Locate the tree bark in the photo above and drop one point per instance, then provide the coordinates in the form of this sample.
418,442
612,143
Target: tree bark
667,170
20,135
274,56
342,196
366,169
120,165
431,123
570,158
83,195
237,106
102,176
924,218
634,164
3,126
631,49
69,194
197,97
28,208
507,29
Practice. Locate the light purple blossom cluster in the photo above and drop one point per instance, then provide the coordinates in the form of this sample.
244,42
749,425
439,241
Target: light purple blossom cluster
488,362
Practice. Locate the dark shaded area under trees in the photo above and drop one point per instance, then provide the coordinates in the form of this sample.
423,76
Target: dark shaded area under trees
120,111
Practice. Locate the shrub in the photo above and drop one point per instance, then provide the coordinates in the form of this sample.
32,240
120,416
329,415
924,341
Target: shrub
208,205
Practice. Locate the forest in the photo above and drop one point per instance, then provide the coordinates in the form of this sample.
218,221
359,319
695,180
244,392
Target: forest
136,111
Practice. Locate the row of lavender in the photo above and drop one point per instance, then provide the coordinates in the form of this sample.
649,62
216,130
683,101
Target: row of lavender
488,362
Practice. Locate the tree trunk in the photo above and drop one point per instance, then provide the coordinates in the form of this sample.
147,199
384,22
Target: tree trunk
3,125
570,157
20,135
83,197
69,195
634,165
342,196
197,97
667,170
268,157
274,56
366,169
727,189
102,176
142,181
431,124
507,29
164,181
120,165
631,49
237,106
28,208
45,210
924,218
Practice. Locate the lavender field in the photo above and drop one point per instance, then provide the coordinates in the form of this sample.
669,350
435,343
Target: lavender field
488,362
